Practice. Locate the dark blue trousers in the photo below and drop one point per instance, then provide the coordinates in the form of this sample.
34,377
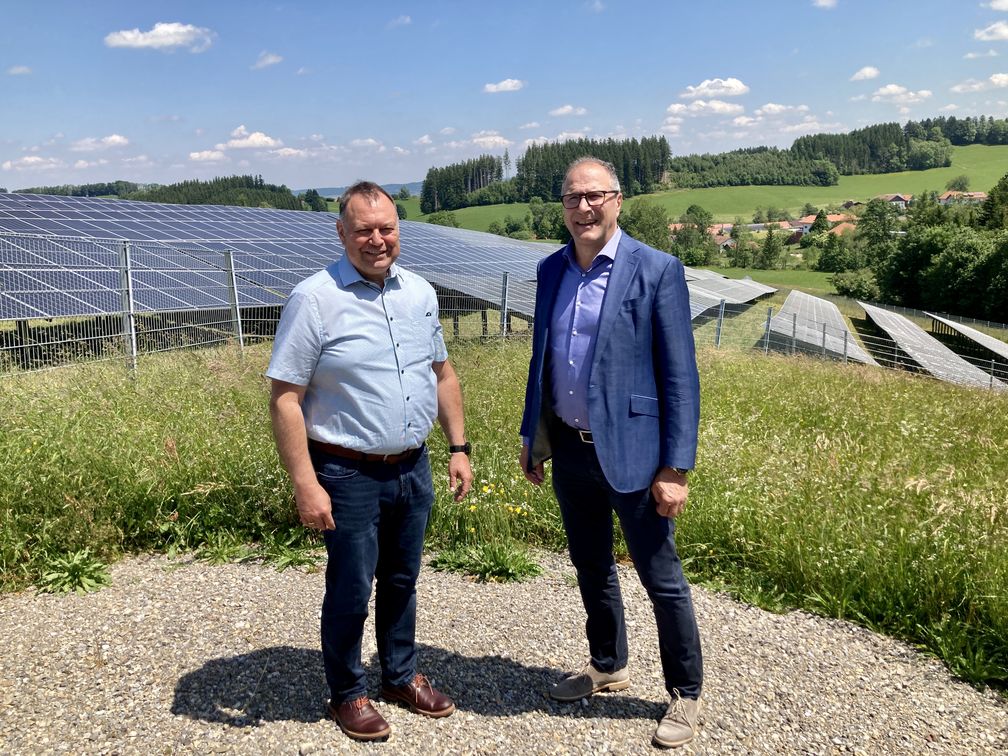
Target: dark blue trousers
587,503
381,513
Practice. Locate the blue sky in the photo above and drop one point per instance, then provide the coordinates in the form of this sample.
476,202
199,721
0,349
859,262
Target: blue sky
325,92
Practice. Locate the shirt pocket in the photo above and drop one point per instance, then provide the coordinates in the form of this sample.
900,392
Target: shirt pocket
643,405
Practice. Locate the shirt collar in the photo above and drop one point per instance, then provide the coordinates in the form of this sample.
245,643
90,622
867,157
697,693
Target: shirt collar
609,250
347,274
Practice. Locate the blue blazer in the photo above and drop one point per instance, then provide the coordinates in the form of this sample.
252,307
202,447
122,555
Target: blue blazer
643,388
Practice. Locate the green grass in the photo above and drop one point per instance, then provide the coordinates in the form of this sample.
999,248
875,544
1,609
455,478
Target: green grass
810,281
855,492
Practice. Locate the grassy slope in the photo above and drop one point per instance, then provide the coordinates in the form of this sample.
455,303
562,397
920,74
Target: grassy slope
984,165
860,493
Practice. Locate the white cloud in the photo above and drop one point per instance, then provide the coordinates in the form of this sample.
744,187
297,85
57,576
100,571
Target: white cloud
368,143
265,60
595,6
828,4
809,125
900,95
975,55
18,71
206,156
566,136
490,139
89,164
508,85
241,139
448,130
399,21
996,32
400,151
289,152
164,36
32,163
303,71
138,160
90,144
730,87
858,98
999,5
535,140
773,108
863,74
530,125
994,81
705,107
744,121
565,110
425,139
949,108
671,125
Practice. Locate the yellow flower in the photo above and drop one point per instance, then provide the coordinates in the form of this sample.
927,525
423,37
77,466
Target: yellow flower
472,507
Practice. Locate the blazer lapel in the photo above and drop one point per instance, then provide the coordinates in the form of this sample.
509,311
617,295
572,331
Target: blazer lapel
623,268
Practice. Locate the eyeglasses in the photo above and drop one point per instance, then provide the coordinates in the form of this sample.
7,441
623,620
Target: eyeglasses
594,199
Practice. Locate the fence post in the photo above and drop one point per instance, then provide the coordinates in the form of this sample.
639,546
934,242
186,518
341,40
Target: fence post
992,374
504,305
720,324
233,297
766,337
823,339
845,346
127,307
794,332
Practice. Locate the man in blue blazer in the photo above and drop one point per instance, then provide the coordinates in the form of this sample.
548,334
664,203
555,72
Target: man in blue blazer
613,398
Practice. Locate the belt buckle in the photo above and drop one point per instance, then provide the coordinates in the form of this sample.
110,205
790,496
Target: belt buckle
586,436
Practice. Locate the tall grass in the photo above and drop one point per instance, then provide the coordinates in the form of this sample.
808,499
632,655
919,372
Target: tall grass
874,496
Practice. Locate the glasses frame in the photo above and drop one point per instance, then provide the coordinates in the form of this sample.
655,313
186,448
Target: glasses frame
565,198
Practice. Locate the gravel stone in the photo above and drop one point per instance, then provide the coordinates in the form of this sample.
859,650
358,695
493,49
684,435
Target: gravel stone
179,657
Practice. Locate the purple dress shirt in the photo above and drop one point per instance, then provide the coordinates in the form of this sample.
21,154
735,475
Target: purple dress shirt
573,331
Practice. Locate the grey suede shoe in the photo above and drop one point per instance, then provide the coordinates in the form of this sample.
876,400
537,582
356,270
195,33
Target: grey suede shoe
679,725
589,680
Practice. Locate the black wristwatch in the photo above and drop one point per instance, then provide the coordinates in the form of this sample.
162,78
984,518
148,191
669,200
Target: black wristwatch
465,448
681,470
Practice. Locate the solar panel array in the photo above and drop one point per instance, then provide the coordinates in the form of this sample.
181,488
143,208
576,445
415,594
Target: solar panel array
731,290
996,346
928,353
814,324
67,257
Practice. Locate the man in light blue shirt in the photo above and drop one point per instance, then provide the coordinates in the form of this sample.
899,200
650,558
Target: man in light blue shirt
360,372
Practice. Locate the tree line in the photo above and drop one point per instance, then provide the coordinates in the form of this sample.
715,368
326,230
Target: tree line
244,191
104,189
885,147
449,188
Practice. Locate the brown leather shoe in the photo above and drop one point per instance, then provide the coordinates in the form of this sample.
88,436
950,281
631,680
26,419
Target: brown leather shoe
420,697
360,720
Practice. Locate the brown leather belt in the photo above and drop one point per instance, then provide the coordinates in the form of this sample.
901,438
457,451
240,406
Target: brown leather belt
341,451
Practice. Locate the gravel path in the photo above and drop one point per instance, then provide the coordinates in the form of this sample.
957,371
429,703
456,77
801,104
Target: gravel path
184,657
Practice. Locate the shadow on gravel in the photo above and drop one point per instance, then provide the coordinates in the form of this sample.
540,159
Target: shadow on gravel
495,686
273,684
287,684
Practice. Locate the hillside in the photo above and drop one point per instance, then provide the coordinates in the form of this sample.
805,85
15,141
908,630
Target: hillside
984,165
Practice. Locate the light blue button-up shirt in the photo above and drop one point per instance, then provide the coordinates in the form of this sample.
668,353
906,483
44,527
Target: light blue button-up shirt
573,331
364,353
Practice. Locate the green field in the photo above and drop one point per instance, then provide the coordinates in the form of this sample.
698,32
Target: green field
984,165
854,492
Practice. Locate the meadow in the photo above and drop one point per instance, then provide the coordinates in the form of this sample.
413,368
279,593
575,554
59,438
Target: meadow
870,495
984,165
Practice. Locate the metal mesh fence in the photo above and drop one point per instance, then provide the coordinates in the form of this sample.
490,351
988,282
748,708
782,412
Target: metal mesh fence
85,300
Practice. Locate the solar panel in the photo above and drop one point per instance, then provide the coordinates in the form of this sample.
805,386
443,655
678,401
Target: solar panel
928,353
996,346
177,257
817,326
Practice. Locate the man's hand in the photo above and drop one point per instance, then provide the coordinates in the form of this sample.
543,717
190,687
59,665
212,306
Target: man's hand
670,490
314,507
460,474
536,476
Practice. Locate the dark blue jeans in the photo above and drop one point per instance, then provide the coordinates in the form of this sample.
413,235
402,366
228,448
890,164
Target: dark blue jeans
381,513
587,502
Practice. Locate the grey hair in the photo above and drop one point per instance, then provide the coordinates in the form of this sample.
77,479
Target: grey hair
588,159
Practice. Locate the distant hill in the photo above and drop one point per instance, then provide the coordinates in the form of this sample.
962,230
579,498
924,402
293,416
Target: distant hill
415,187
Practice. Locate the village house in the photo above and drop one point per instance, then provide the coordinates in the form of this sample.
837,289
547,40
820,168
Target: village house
961,198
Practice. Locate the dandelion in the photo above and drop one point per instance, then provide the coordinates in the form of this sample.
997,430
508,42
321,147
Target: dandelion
472,507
